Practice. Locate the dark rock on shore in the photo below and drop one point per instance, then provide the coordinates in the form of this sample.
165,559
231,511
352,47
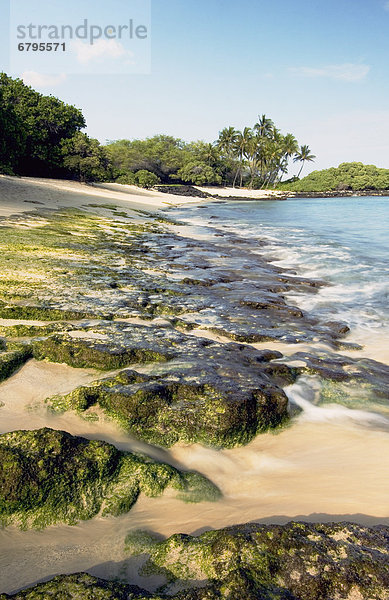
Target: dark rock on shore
116,269
182,190
82,352
297,561
86,267
80,586
338,194
49,477
13,356
217,394
339,368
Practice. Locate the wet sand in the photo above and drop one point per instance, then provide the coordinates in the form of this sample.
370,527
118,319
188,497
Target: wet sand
328,464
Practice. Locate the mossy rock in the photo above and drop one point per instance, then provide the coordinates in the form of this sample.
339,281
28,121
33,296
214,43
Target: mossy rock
295,561
163,411
49,476
83,353
80,586
15,356
29,331
39,313
196,390
338,369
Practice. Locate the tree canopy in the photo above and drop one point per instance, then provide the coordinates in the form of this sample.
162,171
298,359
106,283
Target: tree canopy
85,157
41,135
257,156
32,128
347,176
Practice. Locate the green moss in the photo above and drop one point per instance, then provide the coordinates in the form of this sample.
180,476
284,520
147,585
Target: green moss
165,413
298,560
112,207
68,252
81,586
51,477
82,353
39,313
11,360
30,331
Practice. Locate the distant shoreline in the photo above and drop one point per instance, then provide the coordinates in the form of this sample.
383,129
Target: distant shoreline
239,194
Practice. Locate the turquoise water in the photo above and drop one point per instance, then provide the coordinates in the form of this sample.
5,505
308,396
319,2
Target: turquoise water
344,241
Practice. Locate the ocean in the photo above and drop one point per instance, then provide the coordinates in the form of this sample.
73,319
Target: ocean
343,241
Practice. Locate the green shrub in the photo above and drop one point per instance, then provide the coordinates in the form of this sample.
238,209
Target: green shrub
199,173
127,179
348,176
146,179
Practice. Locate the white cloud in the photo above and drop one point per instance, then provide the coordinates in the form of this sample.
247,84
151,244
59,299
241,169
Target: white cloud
41,80
101,49
386,6
346,72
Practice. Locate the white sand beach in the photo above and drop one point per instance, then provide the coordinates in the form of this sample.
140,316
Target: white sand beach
229,192
22,194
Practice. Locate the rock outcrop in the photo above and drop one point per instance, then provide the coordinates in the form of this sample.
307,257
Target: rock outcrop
49,476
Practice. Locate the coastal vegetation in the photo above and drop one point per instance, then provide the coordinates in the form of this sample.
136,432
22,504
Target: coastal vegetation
32,129
256,157
347,176
41,136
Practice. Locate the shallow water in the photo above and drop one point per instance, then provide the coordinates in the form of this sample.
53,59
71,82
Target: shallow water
329,464
343,241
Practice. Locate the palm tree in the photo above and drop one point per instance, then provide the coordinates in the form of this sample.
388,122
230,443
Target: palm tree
241,146
273,158
209,154
227,139
290,146
226,143
253,153
264,127
265,130
303,155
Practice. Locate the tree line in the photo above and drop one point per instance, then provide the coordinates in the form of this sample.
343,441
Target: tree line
352,176
41,136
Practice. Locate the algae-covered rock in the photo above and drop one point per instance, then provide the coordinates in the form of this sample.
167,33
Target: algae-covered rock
13,356
39,312
49,476
70,264
216,394
80,353
296,561
22,330
339,368
80,586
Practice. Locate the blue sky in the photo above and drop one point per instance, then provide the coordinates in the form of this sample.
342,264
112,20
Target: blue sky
319,69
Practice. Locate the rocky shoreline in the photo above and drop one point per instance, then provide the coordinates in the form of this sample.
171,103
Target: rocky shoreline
167,322
298,561
192,191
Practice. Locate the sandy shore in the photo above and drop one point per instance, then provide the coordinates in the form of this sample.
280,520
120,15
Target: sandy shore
227,192
21,194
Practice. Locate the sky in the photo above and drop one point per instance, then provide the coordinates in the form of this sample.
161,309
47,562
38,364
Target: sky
318,69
